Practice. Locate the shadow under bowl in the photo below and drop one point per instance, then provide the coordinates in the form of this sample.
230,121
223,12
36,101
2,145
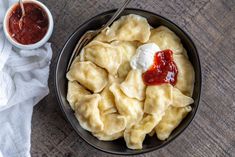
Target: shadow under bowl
119,146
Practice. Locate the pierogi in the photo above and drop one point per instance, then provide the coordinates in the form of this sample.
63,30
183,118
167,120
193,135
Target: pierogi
111,99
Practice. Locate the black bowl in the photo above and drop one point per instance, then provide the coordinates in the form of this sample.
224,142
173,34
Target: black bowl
119,146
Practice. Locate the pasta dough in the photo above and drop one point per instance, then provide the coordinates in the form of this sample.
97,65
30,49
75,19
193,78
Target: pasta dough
127,49
186,75
180,100
104,137
75,93
170,121
107,102
135,135
88,114
134,86
124,70
114,125
158,99
132,109
103,55
166,39
89,75
128,28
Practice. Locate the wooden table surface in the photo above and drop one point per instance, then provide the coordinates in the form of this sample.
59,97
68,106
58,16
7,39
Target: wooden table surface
210,23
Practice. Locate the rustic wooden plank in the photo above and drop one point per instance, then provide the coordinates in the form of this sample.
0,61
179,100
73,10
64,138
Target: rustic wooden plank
211,24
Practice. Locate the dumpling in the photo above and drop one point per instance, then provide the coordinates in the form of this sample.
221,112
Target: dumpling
152,132
131,108
171,119
77,59
128,49
185,53
166,39
180,100
89,75
88,114
103,55
135,135
124,69
114,125
75,93
114,79
128,28
158,98
186,75
104,137
107,103
134,86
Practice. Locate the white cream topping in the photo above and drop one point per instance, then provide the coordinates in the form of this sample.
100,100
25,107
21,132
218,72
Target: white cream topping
144,57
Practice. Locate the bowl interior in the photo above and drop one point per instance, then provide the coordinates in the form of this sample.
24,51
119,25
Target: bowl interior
119,146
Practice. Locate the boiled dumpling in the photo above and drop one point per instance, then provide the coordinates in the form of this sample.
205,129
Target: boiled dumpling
88,114
128,49
114,125
186,75
104,137
158,98
166,39
131,108
114,79
135,135
128,28
107,103
180,100
185,53
89,75
77,59
123,70
134,86
75,93
152,132
103,55
171,119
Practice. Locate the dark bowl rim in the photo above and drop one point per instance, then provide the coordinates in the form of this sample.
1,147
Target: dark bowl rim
60,101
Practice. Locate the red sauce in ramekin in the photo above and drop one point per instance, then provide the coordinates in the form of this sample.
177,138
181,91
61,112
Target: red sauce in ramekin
34,24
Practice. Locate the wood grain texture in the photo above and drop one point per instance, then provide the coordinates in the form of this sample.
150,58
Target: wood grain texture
210,23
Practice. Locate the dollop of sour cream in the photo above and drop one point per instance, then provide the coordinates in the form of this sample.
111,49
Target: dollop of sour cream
144,57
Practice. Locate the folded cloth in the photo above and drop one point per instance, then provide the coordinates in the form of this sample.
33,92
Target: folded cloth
23,83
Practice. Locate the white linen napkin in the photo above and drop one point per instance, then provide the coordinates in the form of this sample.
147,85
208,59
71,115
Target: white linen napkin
23,83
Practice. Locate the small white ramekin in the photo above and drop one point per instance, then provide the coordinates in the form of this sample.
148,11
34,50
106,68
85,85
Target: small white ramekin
40,42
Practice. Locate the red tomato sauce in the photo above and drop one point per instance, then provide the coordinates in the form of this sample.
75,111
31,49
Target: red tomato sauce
34,24
164,69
